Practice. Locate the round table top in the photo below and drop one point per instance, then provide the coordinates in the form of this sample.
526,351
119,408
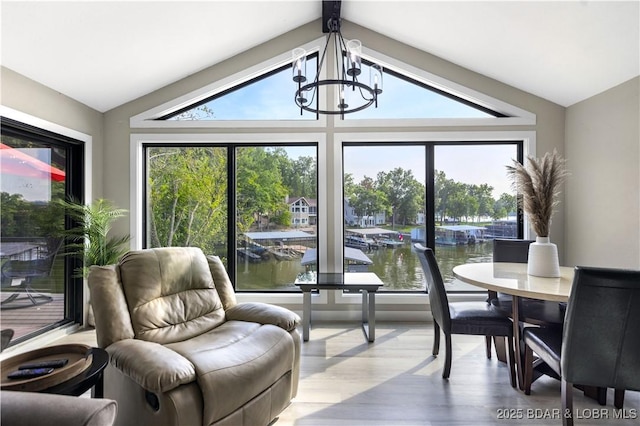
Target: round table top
512,278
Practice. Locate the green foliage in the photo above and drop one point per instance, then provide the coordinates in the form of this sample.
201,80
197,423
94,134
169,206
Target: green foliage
402,191
188,193
261,191
90,239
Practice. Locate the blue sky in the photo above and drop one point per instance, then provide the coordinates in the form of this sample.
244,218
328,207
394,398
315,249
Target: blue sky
272,98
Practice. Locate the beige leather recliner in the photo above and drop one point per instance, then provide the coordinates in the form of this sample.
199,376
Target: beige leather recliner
182,350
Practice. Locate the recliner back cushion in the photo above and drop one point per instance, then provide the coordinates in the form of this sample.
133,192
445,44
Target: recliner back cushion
170,294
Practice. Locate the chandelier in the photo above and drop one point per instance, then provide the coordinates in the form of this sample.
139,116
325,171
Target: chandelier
348,75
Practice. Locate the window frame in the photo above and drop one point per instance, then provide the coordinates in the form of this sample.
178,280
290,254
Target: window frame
528,139
79,178
231,141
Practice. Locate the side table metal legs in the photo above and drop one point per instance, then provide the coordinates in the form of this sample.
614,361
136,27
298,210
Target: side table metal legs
306,315
369,315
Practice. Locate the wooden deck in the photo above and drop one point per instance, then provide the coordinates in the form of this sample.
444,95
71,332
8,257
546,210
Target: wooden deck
24,317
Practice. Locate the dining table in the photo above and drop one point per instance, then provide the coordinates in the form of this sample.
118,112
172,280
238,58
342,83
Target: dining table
513,279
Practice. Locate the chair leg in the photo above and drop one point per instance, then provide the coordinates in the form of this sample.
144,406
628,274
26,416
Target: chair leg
488,345
436,339
618,398
528,369
448,356
567,402
511,361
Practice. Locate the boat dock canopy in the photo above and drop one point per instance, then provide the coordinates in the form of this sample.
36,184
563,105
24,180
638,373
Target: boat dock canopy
460,227
371,231
310,256
279,235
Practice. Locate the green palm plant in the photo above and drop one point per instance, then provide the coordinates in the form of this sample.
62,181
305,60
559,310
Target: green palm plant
538,183
90,239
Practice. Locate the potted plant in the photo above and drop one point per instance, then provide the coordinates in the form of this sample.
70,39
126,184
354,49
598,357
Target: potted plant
538,185
90,239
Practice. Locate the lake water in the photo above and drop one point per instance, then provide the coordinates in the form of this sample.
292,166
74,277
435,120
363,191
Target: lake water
398,268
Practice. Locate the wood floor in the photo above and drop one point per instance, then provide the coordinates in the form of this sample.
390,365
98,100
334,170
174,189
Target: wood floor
395,381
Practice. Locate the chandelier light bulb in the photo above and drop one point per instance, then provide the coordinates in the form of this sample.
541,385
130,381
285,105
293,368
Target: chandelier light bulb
299,65
354,54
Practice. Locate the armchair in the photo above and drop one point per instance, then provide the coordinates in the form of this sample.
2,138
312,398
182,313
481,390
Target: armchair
182,350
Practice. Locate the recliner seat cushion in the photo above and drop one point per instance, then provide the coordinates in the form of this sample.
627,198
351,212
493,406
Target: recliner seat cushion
174,297
235,362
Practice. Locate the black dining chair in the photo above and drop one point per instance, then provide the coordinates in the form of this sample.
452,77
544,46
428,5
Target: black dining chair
532,311
476,318
599,344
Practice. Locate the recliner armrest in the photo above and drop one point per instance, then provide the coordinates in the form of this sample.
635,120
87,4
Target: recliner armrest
264,313
154,367
34,408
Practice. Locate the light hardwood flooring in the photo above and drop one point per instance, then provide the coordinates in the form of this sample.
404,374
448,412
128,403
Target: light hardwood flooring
396,381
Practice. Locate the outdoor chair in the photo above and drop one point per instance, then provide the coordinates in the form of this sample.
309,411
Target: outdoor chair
600,343
27,271
473,318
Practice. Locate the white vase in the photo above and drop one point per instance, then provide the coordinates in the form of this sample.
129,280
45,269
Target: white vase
543,259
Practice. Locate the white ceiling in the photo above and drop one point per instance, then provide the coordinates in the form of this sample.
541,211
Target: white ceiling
104,54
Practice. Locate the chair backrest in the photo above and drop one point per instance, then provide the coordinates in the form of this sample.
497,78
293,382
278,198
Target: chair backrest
435,287
601,340
34,268
163,295
511,250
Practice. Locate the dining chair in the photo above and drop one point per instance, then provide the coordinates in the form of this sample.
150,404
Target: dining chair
471,318
599,344
532,311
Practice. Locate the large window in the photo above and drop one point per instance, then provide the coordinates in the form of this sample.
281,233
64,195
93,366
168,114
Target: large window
454,197
38,169
271,191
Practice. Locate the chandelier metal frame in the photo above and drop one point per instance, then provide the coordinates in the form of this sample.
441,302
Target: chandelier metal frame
348,61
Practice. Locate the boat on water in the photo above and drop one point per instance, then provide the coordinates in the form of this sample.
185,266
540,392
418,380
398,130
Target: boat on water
373,238
457,235
358,242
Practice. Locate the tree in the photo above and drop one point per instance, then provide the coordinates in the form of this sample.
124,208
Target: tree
507,203
482,194
260,188
400,189
366,200
188,189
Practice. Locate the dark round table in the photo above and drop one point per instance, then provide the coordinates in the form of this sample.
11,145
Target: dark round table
92,378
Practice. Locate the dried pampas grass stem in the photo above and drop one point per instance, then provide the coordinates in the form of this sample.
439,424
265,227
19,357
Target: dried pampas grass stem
538,185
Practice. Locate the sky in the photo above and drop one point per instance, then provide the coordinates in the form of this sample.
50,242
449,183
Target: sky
462,163
31,186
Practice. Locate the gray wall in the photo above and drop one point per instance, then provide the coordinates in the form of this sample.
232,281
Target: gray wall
603,193
29,97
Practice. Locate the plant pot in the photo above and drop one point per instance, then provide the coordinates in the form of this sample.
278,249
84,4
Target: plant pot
543,259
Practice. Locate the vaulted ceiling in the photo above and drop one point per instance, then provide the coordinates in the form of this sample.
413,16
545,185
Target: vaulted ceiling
104,54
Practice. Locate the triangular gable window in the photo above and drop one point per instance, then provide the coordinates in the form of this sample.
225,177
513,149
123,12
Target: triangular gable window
404,97
263,95
266,97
